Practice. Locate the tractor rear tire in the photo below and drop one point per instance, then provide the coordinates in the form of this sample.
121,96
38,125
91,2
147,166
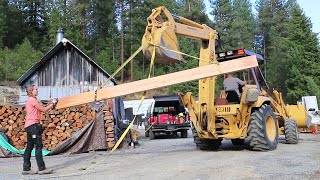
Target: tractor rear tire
237,141
184,133
205,144
263,129
291,131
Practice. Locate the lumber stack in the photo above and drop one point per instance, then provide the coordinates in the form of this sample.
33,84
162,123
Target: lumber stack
58,125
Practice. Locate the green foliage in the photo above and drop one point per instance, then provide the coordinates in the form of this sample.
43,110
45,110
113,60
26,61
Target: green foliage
104,59
35,21
14,34
301,85
3,21
243,26
303,56
223,17
17,61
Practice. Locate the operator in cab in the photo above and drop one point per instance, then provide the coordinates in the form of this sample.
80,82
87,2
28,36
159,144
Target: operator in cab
231,83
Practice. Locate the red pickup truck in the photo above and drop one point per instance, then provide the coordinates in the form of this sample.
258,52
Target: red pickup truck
168,115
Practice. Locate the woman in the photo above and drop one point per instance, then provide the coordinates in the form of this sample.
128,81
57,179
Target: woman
34,132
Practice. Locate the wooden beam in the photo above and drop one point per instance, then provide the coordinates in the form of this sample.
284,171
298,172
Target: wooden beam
159,81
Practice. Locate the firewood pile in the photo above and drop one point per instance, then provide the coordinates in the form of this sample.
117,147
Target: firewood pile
109,125
58,125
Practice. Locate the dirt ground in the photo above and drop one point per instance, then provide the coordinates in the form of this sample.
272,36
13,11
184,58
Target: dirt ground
177,158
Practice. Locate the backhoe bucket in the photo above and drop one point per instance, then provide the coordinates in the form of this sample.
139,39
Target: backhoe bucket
165,39
298,112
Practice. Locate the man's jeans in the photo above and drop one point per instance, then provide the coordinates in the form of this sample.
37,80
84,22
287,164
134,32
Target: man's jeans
33,138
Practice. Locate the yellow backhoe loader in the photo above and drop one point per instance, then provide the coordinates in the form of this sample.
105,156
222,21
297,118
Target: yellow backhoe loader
255,116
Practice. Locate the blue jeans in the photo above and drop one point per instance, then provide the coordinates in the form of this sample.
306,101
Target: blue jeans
34,138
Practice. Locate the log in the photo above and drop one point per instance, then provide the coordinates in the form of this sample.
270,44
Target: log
110,144
159,81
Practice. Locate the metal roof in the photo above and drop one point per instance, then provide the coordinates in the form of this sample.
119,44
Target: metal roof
250,53
51,53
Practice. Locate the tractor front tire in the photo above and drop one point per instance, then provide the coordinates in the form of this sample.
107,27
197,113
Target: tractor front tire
263,129
291,131
205,144
184,133
151,135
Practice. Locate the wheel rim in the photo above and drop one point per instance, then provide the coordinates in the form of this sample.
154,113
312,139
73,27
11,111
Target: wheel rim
271,128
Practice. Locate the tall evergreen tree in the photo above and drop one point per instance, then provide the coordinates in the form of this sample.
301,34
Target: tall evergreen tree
103,25
303,57
223,17
3,21
243,26
60,17
36,30
195,11
105,34
14,34
273,25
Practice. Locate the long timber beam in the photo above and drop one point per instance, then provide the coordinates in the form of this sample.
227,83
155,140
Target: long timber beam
159,81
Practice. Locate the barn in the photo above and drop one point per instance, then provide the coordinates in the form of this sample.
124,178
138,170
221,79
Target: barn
64,70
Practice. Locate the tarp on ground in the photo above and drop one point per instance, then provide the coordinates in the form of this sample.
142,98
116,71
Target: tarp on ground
91,137
7,150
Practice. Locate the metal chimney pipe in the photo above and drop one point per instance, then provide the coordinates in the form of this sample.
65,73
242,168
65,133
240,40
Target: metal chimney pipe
60,35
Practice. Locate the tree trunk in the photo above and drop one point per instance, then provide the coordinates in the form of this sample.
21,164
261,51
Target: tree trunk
122,42
131,63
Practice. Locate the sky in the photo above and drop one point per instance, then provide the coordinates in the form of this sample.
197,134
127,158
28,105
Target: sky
310,8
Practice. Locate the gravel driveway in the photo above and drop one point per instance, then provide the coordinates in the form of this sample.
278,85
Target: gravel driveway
177,158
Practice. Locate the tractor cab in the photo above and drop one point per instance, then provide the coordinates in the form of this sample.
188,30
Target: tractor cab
253,76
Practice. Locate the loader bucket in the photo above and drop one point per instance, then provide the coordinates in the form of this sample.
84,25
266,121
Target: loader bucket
298,112
163,37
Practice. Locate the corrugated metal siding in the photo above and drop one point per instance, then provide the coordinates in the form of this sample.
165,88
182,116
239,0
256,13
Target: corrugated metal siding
67,73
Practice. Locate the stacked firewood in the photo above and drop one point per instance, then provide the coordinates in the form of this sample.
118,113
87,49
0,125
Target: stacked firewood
12,122
109,125
58,125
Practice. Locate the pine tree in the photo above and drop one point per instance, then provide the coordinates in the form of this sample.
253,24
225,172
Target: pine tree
273,25
243,26
14,33
104,37
223,17
303,57
60,17
3,21
34,13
